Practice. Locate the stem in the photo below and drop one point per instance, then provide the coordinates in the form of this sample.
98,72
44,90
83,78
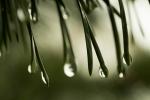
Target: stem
87,39
125,32
116,36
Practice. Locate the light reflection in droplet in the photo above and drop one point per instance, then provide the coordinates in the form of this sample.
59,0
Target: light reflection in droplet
29,11
33,67
101,73
64,13
124,61
43,78
65,16
121,75
34,18
129,62
20,14
29,69
68,70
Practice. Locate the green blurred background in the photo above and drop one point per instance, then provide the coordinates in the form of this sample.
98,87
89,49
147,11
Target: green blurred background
17,84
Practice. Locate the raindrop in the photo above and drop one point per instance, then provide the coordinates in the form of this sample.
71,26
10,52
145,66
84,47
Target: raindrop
69,70
34,18
45,78
101,73
33,67
65,16
121,75
64,13
29,69
29,11
20,14
126,61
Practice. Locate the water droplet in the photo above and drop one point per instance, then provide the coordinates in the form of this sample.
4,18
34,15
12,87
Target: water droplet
29,11
69,70
45,78
20,14
64,13
124,61
121,75
127,61
101,73
65,16
33,67
34,18
29,69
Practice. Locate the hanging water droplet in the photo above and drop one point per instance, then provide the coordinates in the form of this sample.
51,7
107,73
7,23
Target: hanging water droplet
64,13
124,61
127,61
69,70
45,78
65,16
20,14
29,69
34,18
121,75
29,11
33,67
101,73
